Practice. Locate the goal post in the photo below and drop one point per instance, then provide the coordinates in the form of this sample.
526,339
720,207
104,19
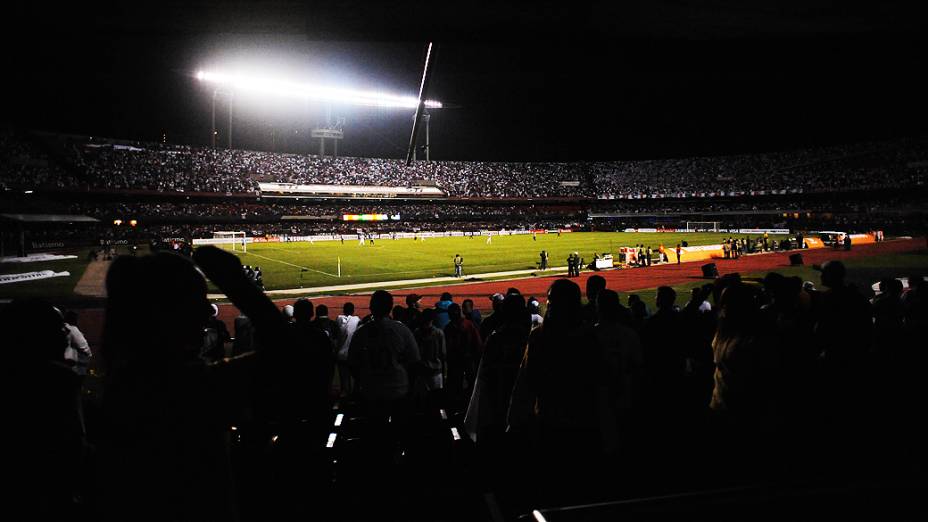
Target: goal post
234,238
702,226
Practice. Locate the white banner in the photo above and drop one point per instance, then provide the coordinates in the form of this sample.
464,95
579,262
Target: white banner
32,258
222,241
31,276
762,230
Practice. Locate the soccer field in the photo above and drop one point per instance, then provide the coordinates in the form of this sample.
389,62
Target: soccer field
303,264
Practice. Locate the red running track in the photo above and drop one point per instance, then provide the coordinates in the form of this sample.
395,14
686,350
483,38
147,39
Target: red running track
628,280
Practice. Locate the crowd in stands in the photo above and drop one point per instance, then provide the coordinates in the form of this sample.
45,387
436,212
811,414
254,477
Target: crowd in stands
22,164
115,165
741,381
828,169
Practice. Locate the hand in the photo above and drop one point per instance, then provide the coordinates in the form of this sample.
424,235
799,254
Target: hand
216,262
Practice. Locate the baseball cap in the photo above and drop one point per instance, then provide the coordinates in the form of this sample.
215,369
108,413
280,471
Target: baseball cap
413,298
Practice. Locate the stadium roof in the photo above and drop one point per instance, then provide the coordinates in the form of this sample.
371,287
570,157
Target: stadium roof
49,218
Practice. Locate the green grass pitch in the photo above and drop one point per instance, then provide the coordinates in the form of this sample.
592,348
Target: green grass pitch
283,264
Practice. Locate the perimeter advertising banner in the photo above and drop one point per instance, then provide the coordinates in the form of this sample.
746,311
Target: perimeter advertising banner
370,217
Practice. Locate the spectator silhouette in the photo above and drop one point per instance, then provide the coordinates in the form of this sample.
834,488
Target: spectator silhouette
665,341
215,337
554,390
744,357
842,331
638,310
78,352
433,356
594,285
490,322
497,373
303,375
43,414
166,411
347,325
381,353
324,323
468,310
441,310
621,351
464,347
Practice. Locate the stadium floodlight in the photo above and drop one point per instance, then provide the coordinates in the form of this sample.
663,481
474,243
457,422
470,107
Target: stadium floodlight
289,89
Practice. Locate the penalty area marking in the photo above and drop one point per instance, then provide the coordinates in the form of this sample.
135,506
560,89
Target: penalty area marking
291,264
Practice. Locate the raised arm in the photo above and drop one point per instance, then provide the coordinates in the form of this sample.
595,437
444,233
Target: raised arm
225,270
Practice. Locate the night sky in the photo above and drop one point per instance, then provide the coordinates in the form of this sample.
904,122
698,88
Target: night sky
545,81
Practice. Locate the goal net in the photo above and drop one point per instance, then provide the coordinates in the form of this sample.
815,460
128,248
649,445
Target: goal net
234,239
702,226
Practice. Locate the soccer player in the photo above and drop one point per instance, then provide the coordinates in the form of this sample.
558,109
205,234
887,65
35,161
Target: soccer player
458,266
489,238
679,253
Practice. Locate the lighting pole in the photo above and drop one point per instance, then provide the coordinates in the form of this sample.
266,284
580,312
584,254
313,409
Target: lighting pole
213,134
230,120
428,122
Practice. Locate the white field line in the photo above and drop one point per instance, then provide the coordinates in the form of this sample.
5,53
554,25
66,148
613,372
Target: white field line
291,264
408,283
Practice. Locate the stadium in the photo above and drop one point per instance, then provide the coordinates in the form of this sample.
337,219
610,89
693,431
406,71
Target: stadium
358,278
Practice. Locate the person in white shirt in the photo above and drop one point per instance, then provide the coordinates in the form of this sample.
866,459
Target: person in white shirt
534,309
379,355
78,353
347,324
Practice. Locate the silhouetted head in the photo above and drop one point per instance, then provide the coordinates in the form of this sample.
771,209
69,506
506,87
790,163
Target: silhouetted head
497,300
467,306
454,312
608,306
427,317
348,309
594,285
33,331
162,297
513,309
399,313
833,273
666,296
302,310
513,291
445,296
322,311
738,309
381,303
563,302
412,300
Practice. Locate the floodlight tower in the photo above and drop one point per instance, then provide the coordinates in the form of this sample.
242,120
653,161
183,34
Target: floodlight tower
420,106
217,92
288,89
